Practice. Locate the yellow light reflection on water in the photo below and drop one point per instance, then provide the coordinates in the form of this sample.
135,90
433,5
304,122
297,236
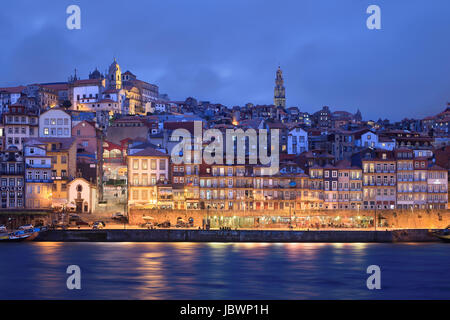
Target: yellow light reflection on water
152,276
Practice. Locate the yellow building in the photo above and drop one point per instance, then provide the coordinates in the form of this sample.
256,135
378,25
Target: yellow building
148,177
63,154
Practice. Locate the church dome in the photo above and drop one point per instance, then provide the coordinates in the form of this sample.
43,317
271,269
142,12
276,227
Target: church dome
95,74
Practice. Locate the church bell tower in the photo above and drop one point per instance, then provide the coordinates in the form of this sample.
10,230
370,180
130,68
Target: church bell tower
279,99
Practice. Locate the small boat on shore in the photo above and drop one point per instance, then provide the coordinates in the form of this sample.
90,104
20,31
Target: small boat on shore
13,237
20,235
444,234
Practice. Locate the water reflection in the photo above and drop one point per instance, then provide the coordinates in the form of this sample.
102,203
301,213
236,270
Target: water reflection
223,270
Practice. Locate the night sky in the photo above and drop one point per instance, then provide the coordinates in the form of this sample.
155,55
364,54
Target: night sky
228,51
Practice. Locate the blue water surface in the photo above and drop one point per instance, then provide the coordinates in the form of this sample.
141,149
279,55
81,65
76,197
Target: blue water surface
37,270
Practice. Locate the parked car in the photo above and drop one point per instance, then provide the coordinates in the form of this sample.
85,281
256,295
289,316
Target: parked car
59,225
74,217
3,228
148,225
182,224
118,215
165,224
81,223
98,225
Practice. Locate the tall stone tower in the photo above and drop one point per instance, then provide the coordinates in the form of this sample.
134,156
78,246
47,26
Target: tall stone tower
279,98
114,76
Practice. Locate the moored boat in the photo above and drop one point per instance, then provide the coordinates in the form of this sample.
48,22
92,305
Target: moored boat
20,235
444,234
13,237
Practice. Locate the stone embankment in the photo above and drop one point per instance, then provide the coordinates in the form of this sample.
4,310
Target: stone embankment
181,235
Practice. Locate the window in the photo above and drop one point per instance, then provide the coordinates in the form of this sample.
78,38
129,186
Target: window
46,131
162,164
135,164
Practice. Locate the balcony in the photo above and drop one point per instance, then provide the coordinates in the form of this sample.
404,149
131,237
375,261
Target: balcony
38,166
12,172
38,180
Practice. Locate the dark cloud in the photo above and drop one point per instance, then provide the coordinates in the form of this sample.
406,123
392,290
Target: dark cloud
228,51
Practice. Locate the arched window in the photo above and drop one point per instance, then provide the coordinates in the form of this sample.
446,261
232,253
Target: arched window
79,188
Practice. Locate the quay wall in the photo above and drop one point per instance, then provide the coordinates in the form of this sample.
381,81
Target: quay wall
189,235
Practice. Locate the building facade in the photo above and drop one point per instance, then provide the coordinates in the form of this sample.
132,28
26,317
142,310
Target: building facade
19,124
148,173
12,179
38,177
55,123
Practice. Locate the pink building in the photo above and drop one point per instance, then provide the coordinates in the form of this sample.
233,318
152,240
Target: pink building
86,137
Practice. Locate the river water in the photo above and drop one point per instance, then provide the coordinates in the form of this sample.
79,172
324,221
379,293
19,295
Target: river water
224,270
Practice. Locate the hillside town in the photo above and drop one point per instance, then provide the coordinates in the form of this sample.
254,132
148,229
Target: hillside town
104,144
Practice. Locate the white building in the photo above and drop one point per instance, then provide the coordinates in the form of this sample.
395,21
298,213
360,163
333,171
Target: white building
82,196
369,139
386,143
19,124
297,141
85,92
55,123
8,97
